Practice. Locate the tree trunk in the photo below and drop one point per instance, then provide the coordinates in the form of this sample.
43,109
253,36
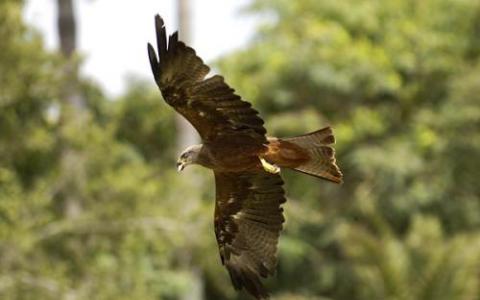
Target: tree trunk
67,29
185,132
72,114
188,136
67,34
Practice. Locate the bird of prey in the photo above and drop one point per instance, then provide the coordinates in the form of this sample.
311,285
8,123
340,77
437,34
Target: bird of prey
245,162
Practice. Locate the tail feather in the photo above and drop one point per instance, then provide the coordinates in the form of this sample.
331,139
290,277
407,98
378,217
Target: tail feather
322,161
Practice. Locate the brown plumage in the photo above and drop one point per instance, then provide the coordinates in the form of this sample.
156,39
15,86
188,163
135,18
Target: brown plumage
249,194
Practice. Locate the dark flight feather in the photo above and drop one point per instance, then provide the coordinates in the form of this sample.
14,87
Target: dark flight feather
209,104
248,221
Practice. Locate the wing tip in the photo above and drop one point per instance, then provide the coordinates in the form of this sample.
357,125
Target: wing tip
161,34
159,21
151,51
243,278
173,42
152,56
174,35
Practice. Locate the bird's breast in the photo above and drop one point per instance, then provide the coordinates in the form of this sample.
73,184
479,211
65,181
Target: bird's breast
233,159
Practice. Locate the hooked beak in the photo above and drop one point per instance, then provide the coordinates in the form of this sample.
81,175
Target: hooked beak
180,166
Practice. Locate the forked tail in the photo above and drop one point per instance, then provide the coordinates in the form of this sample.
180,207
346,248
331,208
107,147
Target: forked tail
322,156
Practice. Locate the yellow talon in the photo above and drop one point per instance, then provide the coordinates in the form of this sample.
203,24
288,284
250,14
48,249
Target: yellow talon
268,167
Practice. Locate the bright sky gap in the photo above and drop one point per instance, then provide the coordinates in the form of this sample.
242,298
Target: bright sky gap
113,33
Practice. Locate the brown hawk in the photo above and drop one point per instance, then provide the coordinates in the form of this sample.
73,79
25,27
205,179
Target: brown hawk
246,163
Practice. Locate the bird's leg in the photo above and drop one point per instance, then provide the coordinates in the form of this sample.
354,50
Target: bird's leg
270,168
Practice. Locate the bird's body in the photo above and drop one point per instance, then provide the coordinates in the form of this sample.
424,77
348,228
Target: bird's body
239,157
224,156
245,162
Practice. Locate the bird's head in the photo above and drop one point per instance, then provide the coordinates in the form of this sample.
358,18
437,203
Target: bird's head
189,156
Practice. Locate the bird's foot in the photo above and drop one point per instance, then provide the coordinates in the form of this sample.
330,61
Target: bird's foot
268,167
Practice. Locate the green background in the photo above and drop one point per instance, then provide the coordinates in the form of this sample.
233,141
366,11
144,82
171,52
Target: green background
398,80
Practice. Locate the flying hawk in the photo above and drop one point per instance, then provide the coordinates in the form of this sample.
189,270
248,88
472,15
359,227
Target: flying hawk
246,163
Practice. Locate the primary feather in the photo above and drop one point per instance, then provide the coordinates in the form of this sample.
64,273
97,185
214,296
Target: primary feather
248,221
209,104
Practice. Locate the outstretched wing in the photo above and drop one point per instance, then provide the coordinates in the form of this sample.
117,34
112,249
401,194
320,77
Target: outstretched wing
208,103
248,221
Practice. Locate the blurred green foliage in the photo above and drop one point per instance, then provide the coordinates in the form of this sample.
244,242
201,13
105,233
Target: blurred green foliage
398,80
